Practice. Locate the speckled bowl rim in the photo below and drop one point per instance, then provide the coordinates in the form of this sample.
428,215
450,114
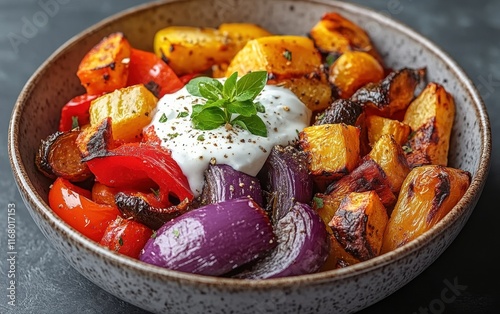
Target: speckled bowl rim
150,271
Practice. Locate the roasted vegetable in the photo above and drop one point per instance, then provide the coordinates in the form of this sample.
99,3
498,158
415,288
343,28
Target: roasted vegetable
285,177
366,177
333,150
130,109
143,167
59,156
334,34
126,237
352,70
359,224
427,195
340,111
378,126
73,205
96,140
303,246
338,256
105,67
390,157
212,240
431,117
195,49
145,210
290,61
223,183
75,112
391,95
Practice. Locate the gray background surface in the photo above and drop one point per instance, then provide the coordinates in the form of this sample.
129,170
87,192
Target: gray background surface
468,30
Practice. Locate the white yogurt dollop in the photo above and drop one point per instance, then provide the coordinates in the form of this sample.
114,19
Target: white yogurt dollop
285,116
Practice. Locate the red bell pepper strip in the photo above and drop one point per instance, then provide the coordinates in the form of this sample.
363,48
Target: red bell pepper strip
146,67
74,206
125,236
143,167
77,108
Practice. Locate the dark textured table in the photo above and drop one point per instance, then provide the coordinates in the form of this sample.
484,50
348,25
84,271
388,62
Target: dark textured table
465,279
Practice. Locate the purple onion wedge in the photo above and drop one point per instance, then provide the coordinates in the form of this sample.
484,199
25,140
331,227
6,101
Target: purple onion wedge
303,246
286,178
223,183
213,239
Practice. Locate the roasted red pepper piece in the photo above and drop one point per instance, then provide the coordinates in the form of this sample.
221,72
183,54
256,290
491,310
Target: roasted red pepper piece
145,168
126,236
74,206
77,107
148,69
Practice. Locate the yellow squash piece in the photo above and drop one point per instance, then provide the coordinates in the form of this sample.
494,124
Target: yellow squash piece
130,109
333,149
431,117
196,49
105,67
359,224
290,61
378,126
427,195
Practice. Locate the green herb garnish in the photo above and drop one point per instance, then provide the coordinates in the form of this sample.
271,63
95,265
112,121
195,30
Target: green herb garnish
319,202
183,114
222,101
120,241
288,55
176,233
407,149
200,138
153,236
74,122
156,192
163,118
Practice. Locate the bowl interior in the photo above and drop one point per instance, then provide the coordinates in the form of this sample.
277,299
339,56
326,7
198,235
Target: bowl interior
36,113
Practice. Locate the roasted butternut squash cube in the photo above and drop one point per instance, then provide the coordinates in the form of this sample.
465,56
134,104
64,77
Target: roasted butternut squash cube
359,224
292,62
379,126
333,149
340,111
391,158
391,95
431,117
336,34
196,49
352,70
367,176
129,108
105,67
427,195
338,257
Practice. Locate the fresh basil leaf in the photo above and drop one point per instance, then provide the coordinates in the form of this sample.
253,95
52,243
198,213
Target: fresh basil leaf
209,119
193,86
253,124
211,90
196,110
250,85
229,89
259,107
244,108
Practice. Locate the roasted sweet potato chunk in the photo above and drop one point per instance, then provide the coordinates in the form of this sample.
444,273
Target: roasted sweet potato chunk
333,150
359,224
391,95
378,126
391,158
195,49
352,70
427,195
338,257
340,111
290,61
105,67
58,156
130,109
367,176
334,34
431,117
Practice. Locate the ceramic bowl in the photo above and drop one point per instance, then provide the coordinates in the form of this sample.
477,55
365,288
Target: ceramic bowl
36,115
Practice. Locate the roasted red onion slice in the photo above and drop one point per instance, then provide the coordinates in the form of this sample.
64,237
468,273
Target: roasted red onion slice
286,178
223,183
213,239
303,246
